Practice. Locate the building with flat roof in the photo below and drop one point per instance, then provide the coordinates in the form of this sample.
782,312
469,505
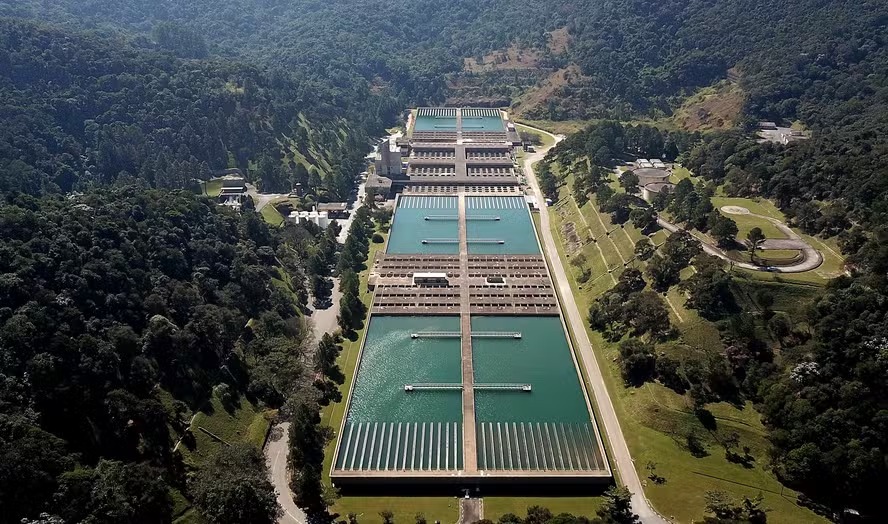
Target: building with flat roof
449,146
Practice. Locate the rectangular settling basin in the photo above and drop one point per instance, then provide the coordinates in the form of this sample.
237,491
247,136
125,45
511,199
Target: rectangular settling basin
548,428
390,429
425,225
499,218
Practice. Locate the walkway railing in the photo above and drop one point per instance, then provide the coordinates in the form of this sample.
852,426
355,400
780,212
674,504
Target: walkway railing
436,334
453,386
440,241
485,241
457,334
453,217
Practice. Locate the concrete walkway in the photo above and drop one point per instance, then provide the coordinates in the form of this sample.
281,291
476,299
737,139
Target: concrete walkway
470,510
607,416
811,258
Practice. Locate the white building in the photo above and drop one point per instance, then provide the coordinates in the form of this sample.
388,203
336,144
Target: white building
318,218
388,158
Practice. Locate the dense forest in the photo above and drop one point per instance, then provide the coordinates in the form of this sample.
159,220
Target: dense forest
81,111
112,300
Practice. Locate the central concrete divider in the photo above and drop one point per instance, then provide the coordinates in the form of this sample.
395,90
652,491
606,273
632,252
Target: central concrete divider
470,452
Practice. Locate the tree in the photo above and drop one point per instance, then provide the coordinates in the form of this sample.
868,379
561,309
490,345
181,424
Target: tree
548,184
754,238
387,516
537,515
727,511
709,289
114,492
234,487
617,507
644,249
642,218
629,182
637,361
722,228
580,191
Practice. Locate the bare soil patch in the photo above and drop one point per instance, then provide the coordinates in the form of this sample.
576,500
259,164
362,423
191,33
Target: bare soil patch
716,107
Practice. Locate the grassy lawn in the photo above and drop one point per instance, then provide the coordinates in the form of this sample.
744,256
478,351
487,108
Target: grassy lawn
212,188
833,262
246,423
548,141
655,420
495,507
270,214
746,222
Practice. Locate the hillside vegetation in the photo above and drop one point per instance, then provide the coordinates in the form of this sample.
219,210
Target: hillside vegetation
782,357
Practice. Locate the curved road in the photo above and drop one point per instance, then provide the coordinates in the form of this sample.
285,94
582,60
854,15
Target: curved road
621,459
276,451
811,258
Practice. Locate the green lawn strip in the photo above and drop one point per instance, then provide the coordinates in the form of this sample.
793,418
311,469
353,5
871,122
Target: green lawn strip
247,423
190,516
618,239
404,508
271,216
759,206
808,277
547,139
656,433
680,173
444,509
495,507
560,214
212,187
746,222
788,297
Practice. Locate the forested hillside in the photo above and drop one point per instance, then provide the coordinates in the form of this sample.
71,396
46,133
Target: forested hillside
634,58
82,110
111,303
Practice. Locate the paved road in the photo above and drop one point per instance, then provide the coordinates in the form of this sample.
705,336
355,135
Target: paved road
470,510
260,200
276,452
621,459
811,258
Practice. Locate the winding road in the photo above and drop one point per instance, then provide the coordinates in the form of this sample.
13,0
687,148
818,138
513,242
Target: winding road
621,459
811,258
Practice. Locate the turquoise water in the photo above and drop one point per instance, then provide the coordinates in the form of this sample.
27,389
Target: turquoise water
482,123
409,227
547,428
514,226
410,430
435,123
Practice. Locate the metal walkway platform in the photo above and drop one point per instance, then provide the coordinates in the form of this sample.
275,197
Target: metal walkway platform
457,334
452,386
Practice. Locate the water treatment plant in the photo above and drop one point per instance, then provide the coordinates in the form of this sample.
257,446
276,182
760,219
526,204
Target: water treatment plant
466,375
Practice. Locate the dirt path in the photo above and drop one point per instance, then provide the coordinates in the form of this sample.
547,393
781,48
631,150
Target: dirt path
621,459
